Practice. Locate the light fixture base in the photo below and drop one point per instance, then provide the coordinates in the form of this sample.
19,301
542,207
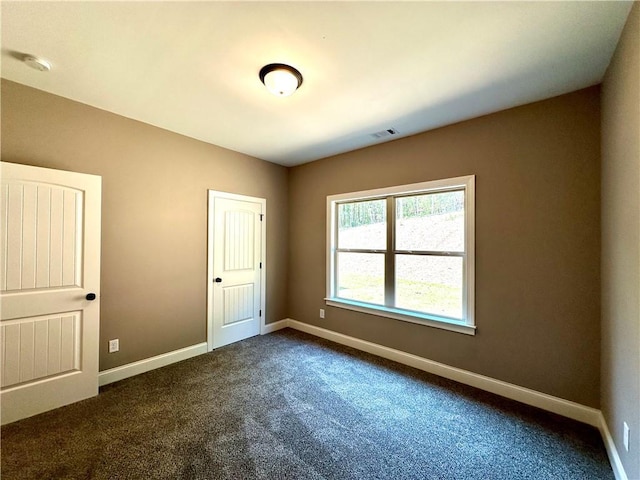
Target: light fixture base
36,63
280,79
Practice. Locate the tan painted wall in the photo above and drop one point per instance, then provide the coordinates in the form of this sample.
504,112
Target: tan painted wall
621,243
537,239
537,242
154,227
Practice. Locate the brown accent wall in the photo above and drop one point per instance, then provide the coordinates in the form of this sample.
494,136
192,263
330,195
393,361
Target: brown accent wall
621,244
154,214
537,306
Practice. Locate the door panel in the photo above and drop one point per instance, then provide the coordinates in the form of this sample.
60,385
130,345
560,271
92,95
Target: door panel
38,347
235,259
238,303
43,225
49,261
239,238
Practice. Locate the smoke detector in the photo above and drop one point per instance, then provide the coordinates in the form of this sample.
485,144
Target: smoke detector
36,63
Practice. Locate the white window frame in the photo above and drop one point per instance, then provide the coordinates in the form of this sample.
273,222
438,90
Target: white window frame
466,183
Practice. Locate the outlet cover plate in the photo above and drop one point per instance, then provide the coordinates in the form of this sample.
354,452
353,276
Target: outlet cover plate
114,345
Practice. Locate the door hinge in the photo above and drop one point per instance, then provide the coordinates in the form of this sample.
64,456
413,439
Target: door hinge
261,215
260,314
260,264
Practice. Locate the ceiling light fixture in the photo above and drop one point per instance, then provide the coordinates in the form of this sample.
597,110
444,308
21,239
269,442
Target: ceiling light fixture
280,79
36,63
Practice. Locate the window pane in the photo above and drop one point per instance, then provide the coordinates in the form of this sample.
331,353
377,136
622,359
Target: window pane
433,221
362,225
429,284
361,277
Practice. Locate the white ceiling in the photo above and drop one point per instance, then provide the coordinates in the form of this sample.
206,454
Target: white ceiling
192,67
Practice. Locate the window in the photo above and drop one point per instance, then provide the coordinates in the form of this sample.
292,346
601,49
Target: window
405,252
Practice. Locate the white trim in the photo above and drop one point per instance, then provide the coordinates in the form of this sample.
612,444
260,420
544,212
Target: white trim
211,196
427,321
274,326
467,323
566,408
612,451
430,185
142,366
469,293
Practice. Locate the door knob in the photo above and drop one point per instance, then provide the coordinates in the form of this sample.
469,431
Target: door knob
90,296
218,280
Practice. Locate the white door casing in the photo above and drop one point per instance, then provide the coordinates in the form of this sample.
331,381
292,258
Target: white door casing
236,246
49,263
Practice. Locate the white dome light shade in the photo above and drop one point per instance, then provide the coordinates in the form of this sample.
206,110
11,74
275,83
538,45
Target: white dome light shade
281,80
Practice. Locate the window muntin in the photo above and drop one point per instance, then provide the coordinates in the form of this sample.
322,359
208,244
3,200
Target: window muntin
405,252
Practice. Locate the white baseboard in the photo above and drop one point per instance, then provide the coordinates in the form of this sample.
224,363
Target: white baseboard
566,408
125,371
612,451
272,327
142,366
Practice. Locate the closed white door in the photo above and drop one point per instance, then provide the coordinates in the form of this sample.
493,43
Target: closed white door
236,296
49,288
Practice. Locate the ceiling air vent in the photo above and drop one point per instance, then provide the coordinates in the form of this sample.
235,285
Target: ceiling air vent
385,133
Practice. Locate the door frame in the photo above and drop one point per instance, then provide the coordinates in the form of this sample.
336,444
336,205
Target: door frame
211,197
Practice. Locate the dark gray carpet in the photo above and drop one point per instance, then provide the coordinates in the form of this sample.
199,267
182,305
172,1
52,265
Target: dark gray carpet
290,406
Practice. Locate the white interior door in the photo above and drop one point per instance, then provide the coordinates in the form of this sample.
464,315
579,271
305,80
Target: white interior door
49,272
236,267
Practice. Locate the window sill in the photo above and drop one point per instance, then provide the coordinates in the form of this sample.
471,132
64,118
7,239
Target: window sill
427,320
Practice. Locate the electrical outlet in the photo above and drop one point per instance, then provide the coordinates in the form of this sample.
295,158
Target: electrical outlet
625,437
322,313
114,345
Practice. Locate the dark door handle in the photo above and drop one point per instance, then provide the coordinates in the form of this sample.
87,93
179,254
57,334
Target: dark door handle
90,296
218,280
